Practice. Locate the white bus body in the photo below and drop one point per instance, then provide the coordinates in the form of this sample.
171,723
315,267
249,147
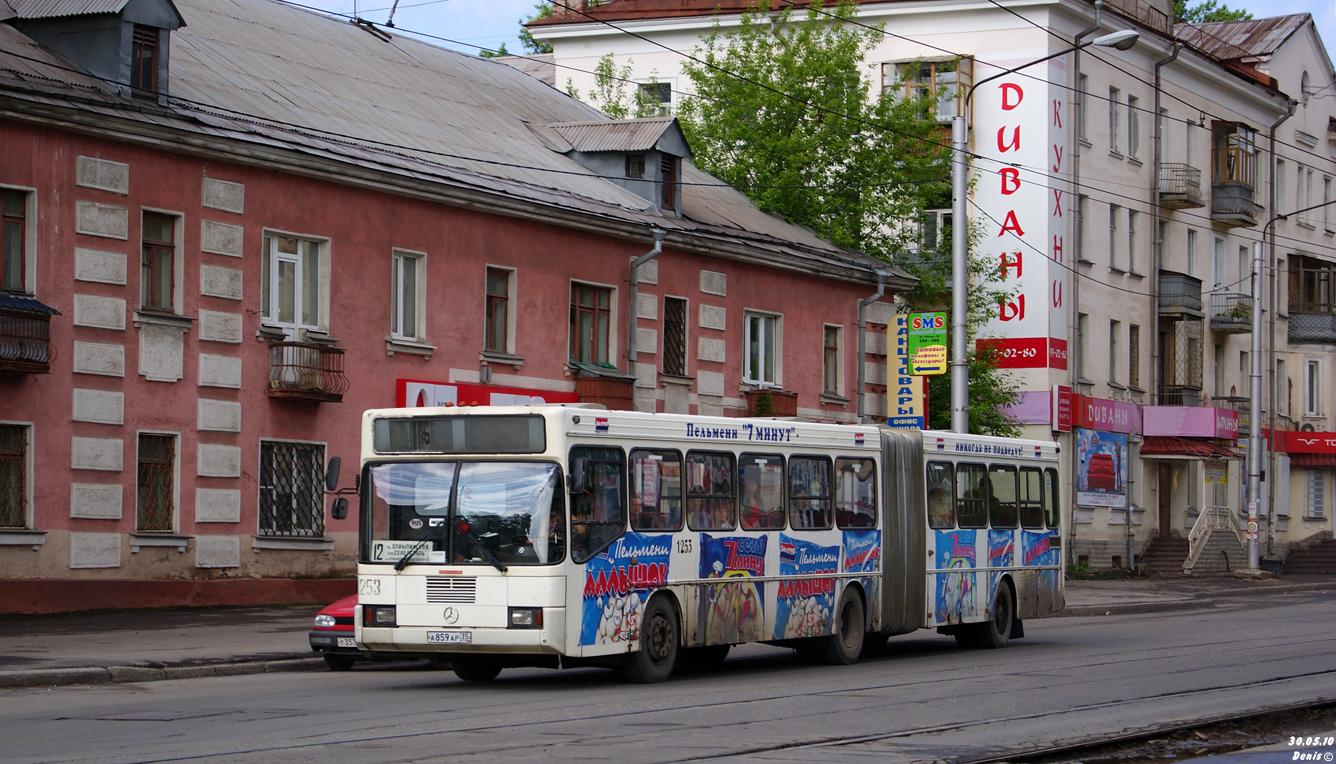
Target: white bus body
570,535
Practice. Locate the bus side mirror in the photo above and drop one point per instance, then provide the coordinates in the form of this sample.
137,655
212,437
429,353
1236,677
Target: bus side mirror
340,509
577,477
332,474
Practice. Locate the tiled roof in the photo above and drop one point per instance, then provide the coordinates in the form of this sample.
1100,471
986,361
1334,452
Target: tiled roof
1168,445
25,304
619,135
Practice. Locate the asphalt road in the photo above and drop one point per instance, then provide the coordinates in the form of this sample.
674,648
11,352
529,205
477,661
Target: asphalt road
1070,680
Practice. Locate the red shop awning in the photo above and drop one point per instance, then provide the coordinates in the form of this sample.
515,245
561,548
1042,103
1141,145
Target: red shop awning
1313,461
1167,445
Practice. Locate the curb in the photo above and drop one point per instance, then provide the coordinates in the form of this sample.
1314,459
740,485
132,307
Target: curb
1195,602
127,674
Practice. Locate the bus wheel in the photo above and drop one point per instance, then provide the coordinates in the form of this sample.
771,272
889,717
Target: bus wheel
994,633
475,669
845,643
653,662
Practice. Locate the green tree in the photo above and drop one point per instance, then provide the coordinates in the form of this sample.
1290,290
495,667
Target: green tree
609,92
501,51
541,11
1207,10
785,111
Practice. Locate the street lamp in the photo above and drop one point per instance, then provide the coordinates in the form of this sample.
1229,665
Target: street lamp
960,383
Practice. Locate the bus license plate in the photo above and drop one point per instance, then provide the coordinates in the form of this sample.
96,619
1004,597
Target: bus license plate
450,637
347,642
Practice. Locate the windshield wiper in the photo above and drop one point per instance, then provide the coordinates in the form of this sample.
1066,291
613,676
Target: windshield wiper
403,563
463,530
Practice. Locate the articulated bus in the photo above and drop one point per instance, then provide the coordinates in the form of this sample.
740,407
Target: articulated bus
565,536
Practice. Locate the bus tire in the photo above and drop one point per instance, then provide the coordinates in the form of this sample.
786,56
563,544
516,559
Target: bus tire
994,633
475,669
653,662
845,642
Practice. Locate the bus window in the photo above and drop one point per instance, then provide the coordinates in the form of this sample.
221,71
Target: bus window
598,513
1051,513
941,495
972,496
1002,496
711,492
762,479
1032,501
656,490
809,493
856,493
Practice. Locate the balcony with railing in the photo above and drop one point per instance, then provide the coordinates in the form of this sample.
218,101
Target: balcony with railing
25,335
1315,327
1231,312
1180,297
306,371
1179,395
1239,403
1233,176
1180,186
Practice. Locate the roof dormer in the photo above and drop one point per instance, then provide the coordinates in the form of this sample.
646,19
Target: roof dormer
125,42
644,156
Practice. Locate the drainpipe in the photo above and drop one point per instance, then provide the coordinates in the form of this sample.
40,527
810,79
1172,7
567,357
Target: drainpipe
862,343
635,297
1156,265
1075,326
1272,298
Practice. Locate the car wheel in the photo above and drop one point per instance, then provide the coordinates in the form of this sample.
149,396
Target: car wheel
480,669
338,662
845,643
653,662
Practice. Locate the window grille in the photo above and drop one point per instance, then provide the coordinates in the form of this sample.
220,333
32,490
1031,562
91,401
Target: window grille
13,476
675,336
291,500
154,506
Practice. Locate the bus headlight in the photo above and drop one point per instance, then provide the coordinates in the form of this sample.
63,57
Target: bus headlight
378,615
526,618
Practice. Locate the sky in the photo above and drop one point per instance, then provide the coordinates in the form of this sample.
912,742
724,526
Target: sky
487,24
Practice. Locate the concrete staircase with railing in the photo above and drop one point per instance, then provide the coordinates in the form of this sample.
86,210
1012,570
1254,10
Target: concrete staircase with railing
1164,556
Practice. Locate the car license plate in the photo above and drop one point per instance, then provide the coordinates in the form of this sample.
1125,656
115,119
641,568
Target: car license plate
347,642
450,637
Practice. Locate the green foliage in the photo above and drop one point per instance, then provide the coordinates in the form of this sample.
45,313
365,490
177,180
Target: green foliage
609,94
541,11
1080,569
1207,10
501,51
785,111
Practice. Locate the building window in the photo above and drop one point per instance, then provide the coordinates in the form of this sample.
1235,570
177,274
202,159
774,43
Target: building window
1234,154
144,60
1115,350
1192,252
944,82
1082,332
1115,116
935,230
762,342
15,239
1307,191
1134,356
1317,495
1326,206
1280,185
591,319
1132,254
1115,212
1082,203
1082,97
13,476
155,506
635,165
1219,268
1162,135
405,296
668,167
1190,141
1220,391
291,292
1244,283
1133,126
1282,390
1311,285
157,277
654,99
1313,388
292,501
675,336
497,319
830,360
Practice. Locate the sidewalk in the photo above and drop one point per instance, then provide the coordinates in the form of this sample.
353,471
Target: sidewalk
138,646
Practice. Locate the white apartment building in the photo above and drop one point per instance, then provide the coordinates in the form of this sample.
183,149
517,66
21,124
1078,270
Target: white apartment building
1122,194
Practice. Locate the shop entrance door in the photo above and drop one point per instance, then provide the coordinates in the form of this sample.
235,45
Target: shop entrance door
1165,483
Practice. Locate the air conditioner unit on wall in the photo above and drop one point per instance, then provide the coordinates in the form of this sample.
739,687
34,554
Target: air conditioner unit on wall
1307,427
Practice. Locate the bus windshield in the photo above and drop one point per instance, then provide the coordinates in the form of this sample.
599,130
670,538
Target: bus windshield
464,512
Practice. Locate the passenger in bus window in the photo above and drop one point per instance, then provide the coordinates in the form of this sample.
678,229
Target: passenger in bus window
939,507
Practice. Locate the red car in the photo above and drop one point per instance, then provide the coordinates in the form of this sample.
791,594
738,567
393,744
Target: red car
333,636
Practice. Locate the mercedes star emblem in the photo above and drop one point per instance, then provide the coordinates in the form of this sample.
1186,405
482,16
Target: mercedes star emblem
451,615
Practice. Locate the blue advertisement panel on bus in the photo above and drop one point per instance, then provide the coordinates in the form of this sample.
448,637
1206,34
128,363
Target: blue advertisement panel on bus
955,584
618,581
803,606
731,611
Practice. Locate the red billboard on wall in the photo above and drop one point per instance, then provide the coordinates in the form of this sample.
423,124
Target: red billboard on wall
420,393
